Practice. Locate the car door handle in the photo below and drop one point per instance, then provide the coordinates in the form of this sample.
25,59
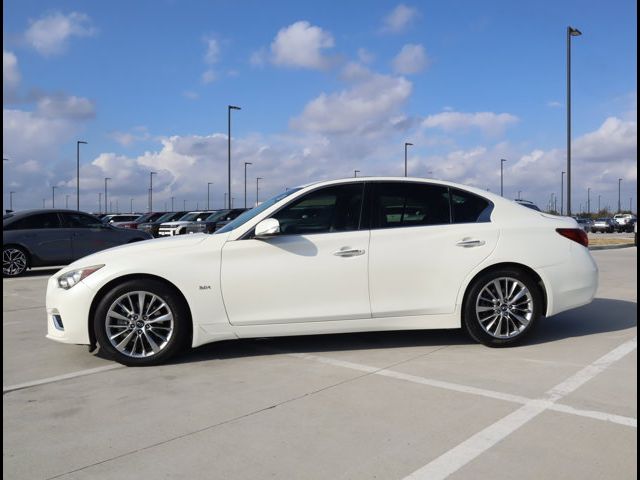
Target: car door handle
468,243
348,252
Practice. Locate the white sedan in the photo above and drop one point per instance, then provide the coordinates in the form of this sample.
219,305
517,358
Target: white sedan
348,255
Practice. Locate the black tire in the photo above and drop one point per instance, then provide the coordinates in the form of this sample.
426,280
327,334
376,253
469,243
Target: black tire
471,318
177,340
15,261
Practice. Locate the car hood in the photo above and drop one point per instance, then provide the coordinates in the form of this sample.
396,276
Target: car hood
146,248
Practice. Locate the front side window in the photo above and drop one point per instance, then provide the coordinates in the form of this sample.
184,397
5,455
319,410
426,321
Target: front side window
79,220
399,204
469,208
37,221
330,209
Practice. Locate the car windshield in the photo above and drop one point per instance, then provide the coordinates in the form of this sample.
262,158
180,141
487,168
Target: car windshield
166,217
145,218
216,215
190,216
249,214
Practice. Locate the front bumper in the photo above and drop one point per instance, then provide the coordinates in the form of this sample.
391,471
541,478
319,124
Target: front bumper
68,309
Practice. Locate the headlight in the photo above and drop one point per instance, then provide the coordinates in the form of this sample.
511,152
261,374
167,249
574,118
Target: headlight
69,279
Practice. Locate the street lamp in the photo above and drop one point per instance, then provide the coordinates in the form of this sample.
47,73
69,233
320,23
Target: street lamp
53,196
151,174
571,32
78,173
208,194
172,204
131,209
184,204
519,192
11,200
406,144
562,193
229,108
589,200
66,201
245,182
355,173
257,188
502,160
105,193
619,205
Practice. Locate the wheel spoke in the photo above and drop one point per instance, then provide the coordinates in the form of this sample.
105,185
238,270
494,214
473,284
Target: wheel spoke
122,345
152,343
498,287
141,297
117,315
162,318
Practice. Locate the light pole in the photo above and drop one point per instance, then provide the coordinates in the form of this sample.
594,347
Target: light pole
406,144
208,194
571,32
184,204
131,209
619,206
599,203
562,193
172,204
151,174
630,204
519,192
502,160
229,108
105,193
355,173
11,200
245,182
78,173
257,188
66,201
589,200
53,196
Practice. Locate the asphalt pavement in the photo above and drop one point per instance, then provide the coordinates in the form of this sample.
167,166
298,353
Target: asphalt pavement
393,405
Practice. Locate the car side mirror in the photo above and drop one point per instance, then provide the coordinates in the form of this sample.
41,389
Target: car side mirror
267,228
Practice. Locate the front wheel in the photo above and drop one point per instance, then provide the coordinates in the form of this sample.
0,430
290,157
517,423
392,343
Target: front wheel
502,307
15,261
141,323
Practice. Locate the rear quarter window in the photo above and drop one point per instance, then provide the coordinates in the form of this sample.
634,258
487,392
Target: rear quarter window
469,208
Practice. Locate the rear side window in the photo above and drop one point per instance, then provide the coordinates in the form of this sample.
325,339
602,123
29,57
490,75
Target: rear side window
469,208
79,220
410,205
36,221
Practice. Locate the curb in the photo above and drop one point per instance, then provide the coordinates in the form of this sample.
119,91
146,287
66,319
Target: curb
612,247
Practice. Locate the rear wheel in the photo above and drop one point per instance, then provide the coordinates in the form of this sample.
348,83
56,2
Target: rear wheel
15,261
502,307
142,322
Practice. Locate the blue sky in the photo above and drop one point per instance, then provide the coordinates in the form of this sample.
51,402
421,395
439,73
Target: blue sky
325,88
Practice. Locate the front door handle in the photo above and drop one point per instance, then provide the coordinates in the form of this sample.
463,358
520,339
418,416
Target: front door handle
348,252
468,243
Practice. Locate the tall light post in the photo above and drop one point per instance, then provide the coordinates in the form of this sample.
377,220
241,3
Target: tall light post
571,32
184,204
53,196
562,193
11,200
105,194
245,182
229,108
589,200
355,173
599,203
257,188
519,192
66,201
78,173
502,160
619,205
406,144
208,195
131,209
172,204
151,174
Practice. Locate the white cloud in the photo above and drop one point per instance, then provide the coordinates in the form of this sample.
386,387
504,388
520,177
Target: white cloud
301,45
367,107
212,54
488,122
399,19
49,35
208,76
126,139
554,104
63,106
412,58
190,94
365,56
259,58
10,72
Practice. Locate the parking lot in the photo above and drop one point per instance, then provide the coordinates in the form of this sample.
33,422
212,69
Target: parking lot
378,405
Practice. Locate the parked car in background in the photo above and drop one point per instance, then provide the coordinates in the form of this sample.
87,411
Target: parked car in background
154,226
40,238
585,223
178,227
603,225
624,222
528,204
120,217
424,254
214,221
147,217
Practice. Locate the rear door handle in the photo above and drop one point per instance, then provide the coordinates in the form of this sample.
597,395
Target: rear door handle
468,243
348,252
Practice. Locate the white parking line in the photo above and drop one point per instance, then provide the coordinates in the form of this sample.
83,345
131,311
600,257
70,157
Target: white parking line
456,458
482,392
66,376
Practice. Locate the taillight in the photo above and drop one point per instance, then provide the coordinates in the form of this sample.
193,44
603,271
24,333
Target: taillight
576,234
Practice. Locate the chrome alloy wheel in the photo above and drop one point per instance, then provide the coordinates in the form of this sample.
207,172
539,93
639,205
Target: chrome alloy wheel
139,324
14,262
504,307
